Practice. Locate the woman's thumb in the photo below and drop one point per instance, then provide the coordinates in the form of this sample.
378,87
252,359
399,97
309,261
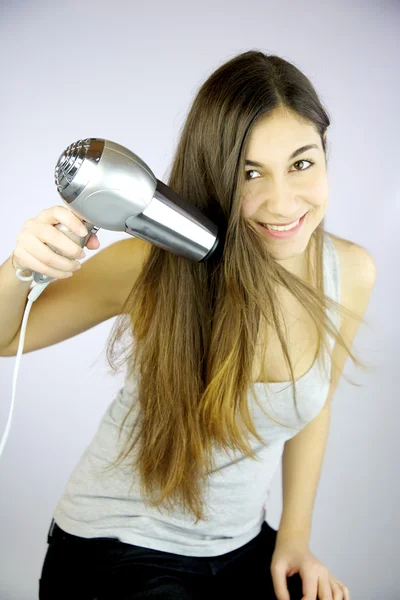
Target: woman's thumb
280,583
93,242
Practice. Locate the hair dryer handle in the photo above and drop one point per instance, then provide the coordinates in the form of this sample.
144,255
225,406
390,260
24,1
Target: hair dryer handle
81,241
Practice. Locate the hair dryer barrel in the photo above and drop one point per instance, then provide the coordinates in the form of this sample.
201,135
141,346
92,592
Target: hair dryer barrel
111,187
173,224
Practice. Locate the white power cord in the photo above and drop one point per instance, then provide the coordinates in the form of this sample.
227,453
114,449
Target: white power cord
33,295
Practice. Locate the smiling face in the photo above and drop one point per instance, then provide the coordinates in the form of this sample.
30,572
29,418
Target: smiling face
283,188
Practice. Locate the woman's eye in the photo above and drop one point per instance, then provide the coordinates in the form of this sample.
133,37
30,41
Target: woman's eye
296,163
251,171
302,161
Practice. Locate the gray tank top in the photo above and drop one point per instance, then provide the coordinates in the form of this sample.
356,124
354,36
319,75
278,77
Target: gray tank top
95,505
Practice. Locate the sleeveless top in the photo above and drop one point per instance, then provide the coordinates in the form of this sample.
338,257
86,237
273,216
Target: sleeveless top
97,505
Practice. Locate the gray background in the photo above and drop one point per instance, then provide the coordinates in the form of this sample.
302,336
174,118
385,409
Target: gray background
128,72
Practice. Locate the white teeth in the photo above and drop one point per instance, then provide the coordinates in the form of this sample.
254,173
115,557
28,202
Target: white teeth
282,227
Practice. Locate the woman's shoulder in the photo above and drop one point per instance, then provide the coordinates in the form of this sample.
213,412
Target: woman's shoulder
341,244
357,271
353,258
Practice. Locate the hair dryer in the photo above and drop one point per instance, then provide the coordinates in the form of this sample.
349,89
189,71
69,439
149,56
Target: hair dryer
108,186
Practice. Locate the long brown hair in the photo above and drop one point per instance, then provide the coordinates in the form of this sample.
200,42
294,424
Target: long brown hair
196,325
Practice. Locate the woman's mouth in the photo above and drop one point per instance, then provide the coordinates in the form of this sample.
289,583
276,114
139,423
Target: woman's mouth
285,233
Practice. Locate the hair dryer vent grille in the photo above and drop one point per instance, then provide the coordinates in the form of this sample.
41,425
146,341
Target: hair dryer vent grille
70,162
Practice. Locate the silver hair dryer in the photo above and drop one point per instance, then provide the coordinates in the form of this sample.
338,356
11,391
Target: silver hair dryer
108,186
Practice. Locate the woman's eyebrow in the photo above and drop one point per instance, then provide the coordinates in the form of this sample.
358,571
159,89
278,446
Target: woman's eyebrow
254,163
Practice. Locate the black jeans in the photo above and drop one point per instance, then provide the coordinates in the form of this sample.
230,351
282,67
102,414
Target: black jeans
77,568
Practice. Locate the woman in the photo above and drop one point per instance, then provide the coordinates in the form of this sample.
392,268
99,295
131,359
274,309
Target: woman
169,499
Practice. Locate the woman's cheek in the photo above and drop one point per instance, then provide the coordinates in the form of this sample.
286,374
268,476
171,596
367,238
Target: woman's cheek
249,204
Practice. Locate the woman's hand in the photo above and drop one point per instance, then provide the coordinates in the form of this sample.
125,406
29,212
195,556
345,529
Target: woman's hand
291,556
33,251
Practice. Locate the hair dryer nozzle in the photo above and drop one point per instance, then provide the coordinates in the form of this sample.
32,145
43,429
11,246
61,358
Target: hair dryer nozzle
175,225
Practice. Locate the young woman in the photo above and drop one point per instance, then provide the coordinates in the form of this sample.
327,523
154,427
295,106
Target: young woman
232,363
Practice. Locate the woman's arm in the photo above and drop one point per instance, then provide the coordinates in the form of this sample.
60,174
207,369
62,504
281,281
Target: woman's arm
303,454
301,468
